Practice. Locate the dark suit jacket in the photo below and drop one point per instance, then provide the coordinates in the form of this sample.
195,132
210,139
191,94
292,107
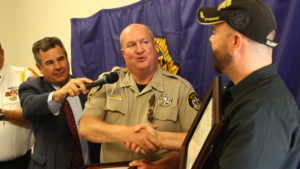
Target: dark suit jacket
53,146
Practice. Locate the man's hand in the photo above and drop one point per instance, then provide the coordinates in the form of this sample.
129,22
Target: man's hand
148,127
142,164
73,88
145,141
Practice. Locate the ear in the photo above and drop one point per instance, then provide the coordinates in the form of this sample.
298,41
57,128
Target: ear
122,51
237,42
154,43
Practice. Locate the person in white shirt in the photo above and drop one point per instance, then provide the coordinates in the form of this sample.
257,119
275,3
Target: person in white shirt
16,135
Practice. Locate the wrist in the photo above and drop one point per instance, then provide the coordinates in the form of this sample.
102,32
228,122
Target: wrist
58,97
160,137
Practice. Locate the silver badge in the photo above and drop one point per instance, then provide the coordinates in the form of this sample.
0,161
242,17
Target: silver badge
165,100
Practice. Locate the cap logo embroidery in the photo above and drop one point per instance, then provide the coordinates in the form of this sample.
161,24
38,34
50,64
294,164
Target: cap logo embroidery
212,19
224,4
239,19
208,19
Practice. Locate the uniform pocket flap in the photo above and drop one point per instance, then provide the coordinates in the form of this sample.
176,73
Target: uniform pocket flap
166,113
115,104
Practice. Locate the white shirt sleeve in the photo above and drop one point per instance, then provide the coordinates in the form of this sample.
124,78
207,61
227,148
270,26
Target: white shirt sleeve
52,105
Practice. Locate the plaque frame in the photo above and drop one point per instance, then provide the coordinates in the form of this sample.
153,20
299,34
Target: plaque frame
214,95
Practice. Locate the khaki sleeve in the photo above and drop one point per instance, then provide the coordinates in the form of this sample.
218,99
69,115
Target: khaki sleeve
189,105
95,104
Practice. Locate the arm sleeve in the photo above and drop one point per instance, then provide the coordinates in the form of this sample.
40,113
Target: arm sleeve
189,105
95,104
34,103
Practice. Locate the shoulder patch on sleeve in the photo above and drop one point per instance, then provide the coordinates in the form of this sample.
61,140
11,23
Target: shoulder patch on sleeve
194,101
94,91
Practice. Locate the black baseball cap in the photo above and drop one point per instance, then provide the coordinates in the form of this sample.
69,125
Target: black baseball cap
252,18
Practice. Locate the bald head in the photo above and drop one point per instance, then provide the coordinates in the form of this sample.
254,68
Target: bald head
131,28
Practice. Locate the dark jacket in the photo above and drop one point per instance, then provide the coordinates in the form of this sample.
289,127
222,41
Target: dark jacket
54,145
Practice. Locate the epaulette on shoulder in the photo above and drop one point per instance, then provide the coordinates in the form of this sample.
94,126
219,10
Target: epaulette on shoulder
168,74
119,69
179,78
116,69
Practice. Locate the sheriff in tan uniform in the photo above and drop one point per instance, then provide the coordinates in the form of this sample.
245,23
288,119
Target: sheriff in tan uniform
16,140
168,102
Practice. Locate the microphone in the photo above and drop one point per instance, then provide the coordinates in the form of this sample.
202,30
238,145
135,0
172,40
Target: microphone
112,77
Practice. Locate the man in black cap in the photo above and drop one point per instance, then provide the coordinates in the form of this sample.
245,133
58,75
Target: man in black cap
262,120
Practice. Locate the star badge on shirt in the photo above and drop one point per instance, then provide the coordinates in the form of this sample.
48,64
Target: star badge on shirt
165,100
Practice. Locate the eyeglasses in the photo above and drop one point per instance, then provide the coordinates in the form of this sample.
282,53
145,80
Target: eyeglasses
151,108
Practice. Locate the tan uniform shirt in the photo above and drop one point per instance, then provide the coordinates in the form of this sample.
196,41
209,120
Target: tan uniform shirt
123,104
15,139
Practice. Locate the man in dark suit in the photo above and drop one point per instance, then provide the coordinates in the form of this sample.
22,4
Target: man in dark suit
53,103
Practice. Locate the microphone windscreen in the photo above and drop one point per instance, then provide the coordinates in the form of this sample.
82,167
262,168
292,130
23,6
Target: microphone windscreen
112,77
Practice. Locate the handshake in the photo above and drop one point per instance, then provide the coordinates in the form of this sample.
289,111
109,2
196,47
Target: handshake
146,139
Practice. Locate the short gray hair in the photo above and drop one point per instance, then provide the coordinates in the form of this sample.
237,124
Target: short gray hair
45,44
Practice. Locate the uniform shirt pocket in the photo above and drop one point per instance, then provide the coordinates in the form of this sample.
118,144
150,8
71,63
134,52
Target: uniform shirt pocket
166,118
115,111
